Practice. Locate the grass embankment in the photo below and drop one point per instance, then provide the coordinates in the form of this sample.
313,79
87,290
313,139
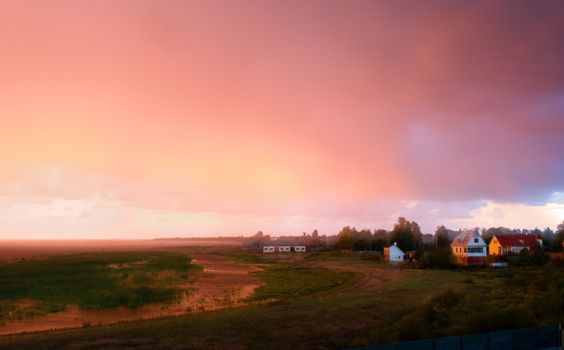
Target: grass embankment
339,308
90,281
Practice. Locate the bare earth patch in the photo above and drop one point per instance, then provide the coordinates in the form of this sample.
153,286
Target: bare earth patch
368,275
223,284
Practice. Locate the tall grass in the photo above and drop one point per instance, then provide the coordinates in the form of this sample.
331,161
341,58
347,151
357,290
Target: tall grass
91,281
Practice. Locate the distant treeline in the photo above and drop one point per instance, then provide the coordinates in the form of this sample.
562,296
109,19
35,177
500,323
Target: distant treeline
408,236
313,240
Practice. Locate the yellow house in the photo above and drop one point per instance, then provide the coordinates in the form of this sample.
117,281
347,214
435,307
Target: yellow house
513,244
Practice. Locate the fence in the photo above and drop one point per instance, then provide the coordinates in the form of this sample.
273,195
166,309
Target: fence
532,338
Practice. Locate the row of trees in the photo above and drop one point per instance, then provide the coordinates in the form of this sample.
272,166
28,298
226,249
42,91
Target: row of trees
407,234
487,234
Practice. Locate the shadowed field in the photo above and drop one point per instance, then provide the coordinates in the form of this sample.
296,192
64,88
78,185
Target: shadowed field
327,301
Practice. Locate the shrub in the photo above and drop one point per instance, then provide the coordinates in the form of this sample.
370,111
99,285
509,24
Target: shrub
438,259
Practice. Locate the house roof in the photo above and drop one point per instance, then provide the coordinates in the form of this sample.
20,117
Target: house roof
392,245
518,240
465,237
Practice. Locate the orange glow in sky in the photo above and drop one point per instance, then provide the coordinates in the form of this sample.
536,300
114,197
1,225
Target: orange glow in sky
155,118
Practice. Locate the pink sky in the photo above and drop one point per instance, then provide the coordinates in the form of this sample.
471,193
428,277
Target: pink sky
127,119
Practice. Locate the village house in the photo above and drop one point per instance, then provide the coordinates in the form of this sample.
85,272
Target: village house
268,249
393,254
513,244
283,247
469,249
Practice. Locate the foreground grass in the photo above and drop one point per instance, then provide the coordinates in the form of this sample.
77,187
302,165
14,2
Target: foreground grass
287,281
327,314
484,301
91,281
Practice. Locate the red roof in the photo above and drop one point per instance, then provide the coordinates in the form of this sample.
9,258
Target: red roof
518,240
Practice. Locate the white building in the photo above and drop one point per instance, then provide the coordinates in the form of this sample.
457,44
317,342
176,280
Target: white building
284,247
394,254
268,249
469,249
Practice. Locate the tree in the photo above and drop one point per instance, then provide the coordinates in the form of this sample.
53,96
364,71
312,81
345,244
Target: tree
315,234
351,238
547,235
363,240
380,239
558,239
441,237
345,238
488,234
406,234
536,231
416,231
381,234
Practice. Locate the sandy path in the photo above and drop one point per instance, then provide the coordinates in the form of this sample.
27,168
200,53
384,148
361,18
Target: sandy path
222,284
368,276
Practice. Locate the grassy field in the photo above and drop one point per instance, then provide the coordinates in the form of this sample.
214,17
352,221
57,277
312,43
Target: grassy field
289,281
328,301
90,281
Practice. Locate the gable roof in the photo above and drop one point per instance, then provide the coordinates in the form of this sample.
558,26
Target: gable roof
465,237
387,249
518,240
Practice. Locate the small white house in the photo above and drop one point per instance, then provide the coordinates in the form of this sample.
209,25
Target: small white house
268,249
394,254
300,248
284,248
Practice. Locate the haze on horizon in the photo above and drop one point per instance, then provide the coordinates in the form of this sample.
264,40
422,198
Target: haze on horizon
137,119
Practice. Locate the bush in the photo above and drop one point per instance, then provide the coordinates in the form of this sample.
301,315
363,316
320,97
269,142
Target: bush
438,259
432,319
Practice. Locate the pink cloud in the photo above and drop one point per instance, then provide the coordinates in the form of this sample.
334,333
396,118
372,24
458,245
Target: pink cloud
282,110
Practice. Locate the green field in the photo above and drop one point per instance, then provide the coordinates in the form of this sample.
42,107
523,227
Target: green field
329,301
90,281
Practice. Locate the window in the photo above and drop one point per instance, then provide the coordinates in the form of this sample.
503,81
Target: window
476,240
475,250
